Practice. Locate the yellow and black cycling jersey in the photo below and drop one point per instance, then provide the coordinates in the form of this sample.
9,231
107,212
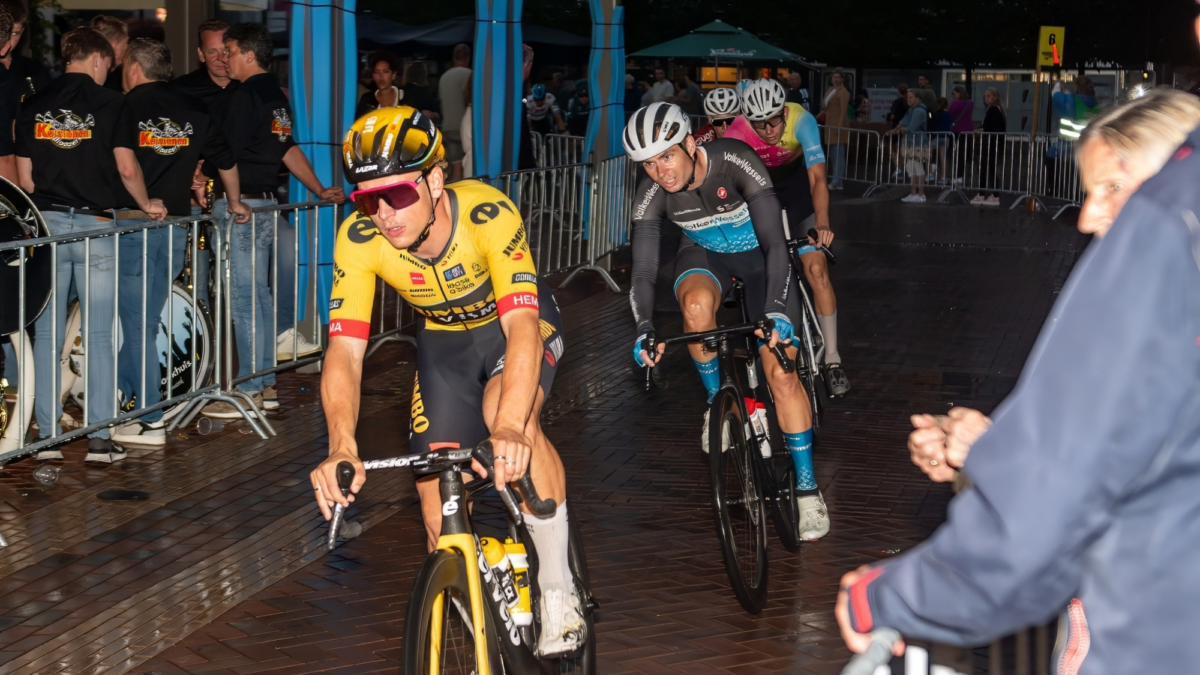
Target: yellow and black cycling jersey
485,270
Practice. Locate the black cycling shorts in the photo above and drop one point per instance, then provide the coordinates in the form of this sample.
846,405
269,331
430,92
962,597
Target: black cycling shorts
748,266
453,367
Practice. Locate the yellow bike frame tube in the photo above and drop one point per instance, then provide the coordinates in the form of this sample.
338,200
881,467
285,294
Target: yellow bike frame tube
464,545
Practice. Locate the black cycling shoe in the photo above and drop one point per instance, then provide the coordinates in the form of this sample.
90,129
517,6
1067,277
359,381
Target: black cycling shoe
104,451
839,382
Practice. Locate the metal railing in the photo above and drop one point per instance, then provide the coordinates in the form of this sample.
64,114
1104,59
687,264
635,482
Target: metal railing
1027,652
851,155
561,150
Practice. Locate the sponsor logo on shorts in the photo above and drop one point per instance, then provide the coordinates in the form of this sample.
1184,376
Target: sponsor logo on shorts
335,303
524,277
545,328
416,278
454,272
419,421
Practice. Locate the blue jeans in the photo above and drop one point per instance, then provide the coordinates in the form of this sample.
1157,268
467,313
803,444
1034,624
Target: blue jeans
159,252
250,292
95,282
10,360
837,165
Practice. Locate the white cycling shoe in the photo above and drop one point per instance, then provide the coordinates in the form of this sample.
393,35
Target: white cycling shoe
704,435
563,627
814,517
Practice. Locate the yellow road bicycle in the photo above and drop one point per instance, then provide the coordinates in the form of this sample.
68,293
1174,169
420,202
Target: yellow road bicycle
474,604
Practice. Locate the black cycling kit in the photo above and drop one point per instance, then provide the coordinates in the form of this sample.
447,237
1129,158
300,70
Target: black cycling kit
727,219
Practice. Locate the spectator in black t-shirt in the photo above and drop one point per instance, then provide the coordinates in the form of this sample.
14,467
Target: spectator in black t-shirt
796,92
211,79
116,32
66,162
166,132
256,120
417,93
19,77
899,106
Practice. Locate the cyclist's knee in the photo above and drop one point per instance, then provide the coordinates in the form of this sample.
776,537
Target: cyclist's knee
699,308
817,273
783,384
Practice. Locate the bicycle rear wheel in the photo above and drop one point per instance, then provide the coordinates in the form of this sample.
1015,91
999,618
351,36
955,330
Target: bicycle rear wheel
439,623
737,501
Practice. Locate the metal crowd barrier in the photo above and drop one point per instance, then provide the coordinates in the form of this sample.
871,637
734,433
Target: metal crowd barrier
562,149
908,159
553,204
196,339
1056,172
1027,652
991,163
854,153
539,148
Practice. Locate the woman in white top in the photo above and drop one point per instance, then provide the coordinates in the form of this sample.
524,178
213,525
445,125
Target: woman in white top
385,67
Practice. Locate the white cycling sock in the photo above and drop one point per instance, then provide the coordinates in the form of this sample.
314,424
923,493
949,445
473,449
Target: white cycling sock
551,540
829,328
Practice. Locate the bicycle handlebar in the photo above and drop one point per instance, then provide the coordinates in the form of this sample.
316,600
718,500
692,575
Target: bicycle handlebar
765,325
812,234
878,653
438,460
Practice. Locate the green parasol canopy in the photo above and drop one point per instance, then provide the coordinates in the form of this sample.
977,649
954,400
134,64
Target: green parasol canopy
718,40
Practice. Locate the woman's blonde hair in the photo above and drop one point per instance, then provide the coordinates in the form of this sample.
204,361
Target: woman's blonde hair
996,95
1147,129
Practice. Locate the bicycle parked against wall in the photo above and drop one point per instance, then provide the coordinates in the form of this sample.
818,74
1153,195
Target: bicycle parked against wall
472,610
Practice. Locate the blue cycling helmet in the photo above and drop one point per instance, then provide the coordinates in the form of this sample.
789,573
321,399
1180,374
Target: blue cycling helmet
539,92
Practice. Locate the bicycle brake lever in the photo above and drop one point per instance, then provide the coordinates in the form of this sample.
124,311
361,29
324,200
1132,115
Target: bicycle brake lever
812,233
539,506
787,364
345,476
651,351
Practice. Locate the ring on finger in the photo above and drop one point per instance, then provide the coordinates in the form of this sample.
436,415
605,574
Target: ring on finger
933,462
317,488
502,457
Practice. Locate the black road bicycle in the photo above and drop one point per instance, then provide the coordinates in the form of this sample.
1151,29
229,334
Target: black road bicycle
461,617
745,483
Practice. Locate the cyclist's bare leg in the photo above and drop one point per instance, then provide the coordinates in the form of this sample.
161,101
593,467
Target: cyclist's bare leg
545,466
431,509
791,401
816,270
699,296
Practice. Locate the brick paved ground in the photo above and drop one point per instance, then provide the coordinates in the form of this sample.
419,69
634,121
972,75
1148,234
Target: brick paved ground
222,572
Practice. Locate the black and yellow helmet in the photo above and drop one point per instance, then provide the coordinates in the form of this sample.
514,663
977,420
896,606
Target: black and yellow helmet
388,141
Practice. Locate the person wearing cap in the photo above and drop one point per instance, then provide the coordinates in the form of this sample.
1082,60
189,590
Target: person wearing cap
167,132
256,121
488,343
66,162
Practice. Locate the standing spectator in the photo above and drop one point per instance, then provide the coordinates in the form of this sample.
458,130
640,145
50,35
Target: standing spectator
257,123
116,32
211,79
691,99
862,107
834,105
79,184
578,110
925,90
154,118
385,68
468,132
23,73
453,103
417,94
797,92
527,156
662,90
961,109
995,125
633,95
647,93
914,149
899,106
943,123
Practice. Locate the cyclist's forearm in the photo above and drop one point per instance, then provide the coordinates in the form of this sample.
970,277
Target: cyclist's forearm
645,272
767,219
820,195
522,368
341,383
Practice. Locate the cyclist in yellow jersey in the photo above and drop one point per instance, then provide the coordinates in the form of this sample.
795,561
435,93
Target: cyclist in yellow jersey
488,343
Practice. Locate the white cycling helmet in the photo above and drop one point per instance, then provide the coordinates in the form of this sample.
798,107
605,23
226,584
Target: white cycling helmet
653,129
763,99
722,102
740,87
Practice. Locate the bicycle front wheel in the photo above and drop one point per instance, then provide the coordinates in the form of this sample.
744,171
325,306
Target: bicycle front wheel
439,631
737,501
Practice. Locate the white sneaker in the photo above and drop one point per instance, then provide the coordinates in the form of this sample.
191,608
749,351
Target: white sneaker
52,452
141,433
704,432
908,198
270,398
814,517
284,343
919,199
992,200
563,628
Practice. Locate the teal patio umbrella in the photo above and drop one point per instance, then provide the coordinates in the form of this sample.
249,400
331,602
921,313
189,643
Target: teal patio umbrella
718,40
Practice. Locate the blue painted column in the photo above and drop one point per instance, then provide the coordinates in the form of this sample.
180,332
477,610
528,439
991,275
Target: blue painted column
606,80
496,87
323,71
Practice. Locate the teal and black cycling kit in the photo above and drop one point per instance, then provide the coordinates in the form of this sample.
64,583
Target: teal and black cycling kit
733,225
